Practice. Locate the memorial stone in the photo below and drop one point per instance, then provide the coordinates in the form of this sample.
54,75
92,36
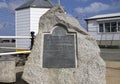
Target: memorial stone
63,53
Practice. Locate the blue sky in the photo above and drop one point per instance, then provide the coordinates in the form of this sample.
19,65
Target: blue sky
80,9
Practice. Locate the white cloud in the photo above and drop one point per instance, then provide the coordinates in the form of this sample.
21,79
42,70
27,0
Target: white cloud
93,8
3,25
115,5
14,4
3,5
11,5
6,25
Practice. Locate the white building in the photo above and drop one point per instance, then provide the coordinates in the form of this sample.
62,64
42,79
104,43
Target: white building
27,20
105,29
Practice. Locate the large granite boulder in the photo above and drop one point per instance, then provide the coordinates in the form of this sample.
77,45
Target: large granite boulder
63,53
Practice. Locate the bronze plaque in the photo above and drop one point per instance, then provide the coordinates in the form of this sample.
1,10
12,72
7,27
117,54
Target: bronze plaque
59,49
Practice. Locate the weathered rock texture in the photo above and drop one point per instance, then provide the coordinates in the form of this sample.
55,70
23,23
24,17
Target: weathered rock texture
7,70
90,67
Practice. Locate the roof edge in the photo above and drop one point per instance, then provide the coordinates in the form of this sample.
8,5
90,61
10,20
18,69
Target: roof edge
100,18
30,6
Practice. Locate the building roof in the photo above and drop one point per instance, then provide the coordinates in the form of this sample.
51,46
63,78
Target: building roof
104,16
36,4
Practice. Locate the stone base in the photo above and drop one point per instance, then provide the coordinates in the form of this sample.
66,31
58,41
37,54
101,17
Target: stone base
7,70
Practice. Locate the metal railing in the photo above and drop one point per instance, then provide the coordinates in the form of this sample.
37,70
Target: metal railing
18,37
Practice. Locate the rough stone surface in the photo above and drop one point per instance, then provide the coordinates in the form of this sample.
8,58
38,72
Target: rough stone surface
7,70
90,67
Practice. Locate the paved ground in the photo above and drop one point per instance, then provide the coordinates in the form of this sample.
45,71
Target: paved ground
113,72
110,54
111,57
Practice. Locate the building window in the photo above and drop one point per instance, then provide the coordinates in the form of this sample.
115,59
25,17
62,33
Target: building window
107,27
101,28
118,26
113,27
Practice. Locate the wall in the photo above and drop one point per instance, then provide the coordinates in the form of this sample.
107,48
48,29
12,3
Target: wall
35,14
93,30
23,28
27,20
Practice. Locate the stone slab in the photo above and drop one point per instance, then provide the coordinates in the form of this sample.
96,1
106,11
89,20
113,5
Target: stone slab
7,70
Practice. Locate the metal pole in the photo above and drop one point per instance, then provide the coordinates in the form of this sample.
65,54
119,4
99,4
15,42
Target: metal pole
15,53
32,39
59,2
16,37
